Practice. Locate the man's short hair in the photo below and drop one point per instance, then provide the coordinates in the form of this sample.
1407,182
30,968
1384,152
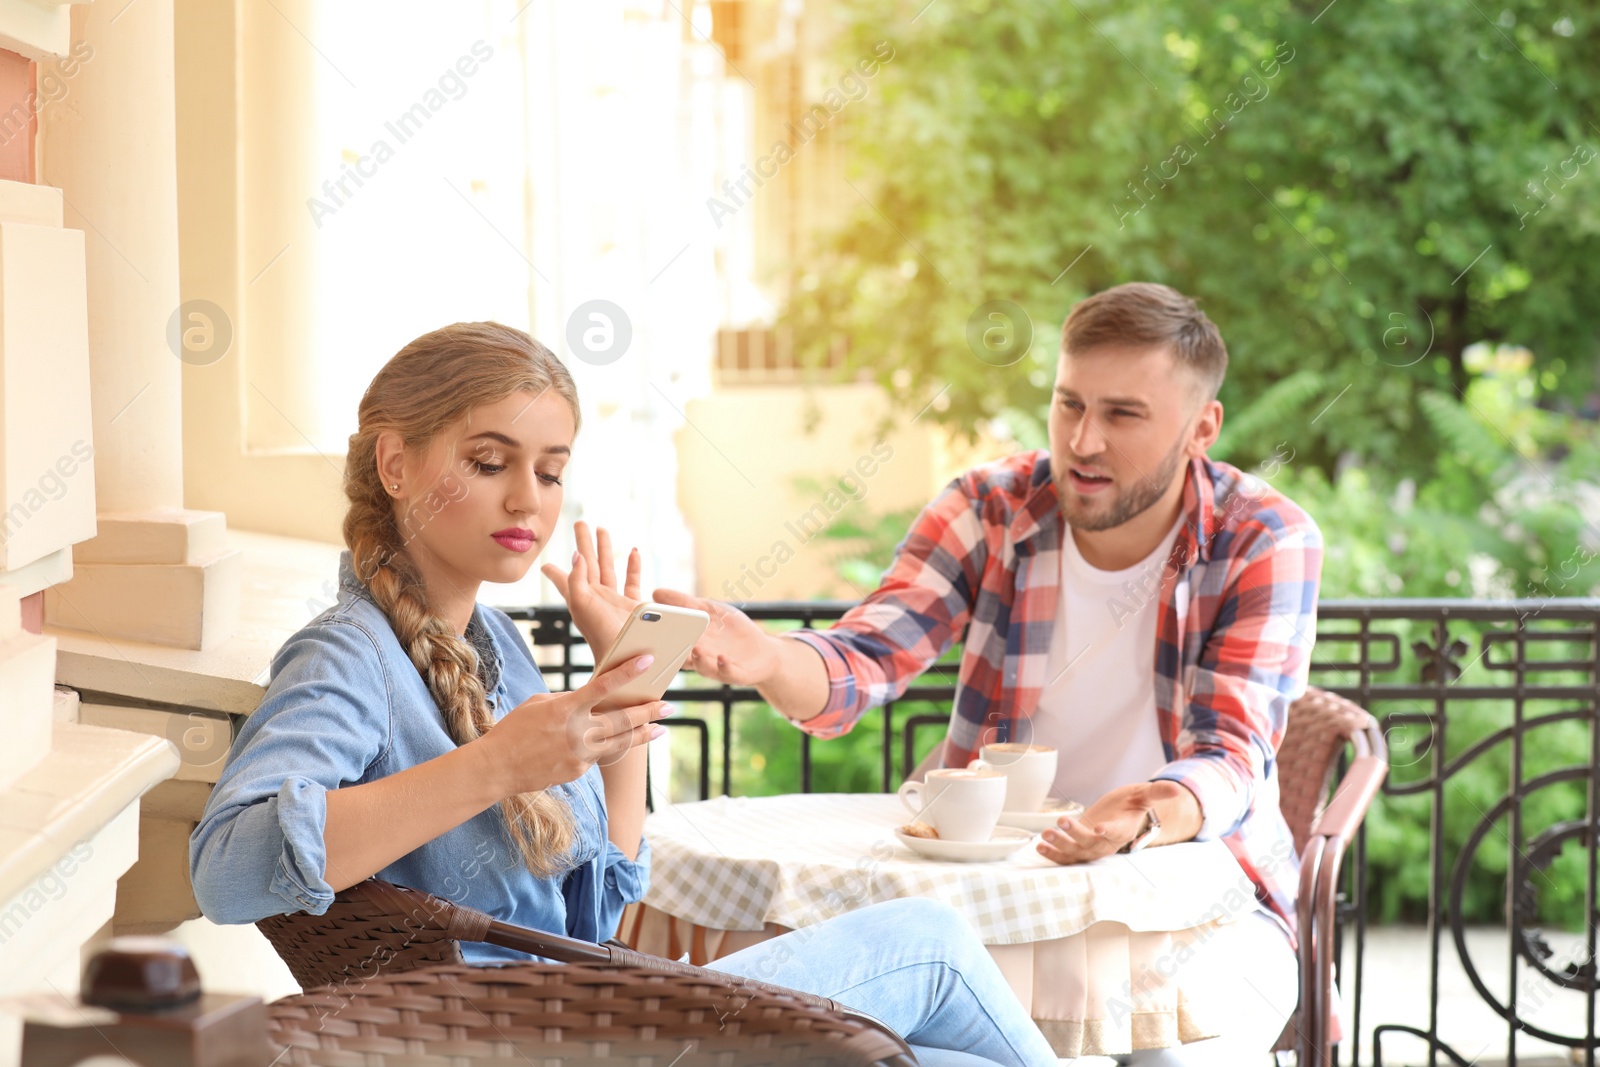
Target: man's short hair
1144,313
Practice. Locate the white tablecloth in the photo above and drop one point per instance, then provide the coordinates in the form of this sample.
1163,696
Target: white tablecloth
1082,946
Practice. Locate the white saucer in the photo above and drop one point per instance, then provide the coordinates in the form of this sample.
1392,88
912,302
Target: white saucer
1003,843
1038,820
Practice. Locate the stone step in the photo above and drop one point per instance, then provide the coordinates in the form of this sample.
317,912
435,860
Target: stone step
159,535
202,736
52,569
66,707
185,605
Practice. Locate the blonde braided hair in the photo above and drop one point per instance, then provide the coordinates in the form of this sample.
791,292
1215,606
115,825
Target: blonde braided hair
425,388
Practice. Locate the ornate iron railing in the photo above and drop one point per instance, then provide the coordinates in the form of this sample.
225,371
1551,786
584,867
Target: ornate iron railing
1490,710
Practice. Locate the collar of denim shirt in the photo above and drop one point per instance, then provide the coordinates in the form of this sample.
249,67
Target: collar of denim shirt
477,635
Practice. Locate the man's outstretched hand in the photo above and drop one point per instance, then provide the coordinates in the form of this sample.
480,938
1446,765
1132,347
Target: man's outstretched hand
734,649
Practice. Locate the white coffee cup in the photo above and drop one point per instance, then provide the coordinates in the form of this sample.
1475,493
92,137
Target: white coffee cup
1030,771
962,804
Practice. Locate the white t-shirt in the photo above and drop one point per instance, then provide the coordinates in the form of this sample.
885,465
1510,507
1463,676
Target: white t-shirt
1098,705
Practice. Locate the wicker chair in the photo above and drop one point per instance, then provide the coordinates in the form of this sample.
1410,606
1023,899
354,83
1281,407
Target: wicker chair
1320,725
385,986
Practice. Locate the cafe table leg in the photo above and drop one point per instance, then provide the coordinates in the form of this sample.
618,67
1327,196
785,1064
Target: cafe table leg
646,929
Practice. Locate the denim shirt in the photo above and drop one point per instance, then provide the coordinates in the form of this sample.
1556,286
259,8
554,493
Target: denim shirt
346,706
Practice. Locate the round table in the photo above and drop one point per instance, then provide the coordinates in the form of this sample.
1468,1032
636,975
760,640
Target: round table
1108,956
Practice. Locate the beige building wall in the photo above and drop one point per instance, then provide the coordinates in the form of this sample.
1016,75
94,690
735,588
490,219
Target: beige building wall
740,460
748,448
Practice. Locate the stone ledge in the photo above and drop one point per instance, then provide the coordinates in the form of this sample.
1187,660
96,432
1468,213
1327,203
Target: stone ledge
285,583
48,924
90,776
38,30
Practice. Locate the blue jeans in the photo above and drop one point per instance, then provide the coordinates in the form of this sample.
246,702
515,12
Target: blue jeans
914,965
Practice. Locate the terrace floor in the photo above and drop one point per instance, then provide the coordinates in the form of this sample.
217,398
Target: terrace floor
1397,992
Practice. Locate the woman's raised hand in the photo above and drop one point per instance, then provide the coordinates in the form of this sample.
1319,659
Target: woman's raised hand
552,738
598,607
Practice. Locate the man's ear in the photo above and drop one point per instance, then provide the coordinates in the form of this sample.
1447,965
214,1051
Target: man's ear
1207,427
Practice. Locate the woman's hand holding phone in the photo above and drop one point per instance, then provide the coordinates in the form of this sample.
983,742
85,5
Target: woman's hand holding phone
598,607
553,738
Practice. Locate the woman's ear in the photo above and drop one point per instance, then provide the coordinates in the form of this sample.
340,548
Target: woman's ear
391,460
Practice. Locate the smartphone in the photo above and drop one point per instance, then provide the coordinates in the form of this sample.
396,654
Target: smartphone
665,632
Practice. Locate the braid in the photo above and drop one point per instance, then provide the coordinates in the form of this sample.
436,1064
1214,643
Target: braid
540,826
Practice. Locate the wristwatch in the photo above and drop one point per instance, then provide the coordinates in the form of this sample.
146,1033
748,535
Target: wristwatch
1147,833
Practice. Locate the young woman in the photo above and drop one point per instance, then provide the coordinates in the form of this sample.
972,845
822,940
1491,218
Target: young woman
406,733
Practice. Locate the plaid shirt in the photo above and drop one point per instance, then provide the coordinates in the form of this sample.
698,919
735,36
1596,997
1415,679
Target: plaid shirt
1237,598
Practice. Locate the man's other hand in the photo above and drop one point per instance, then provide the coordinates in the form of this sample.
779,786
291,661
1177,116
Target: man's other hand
1116,819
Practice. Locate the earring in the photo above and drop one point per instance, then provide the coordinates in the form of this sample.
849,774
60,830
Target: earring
396,488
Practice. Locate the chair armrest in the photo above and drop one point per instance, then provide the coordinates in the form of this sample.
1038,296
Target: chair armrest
1325,906
1351,800
1310,939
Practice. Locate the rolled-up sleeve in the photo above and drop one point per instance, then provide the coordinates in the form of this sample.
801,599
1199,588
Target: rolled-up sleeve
325,719
625,882
1254,664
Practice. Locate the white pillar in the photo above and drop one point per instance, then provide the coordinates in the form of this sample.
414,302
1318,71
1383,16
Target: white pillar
154,572
113,155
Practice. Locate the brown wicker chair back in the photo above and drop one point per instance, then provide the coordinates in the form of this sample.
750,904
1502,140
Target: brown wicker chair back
1321,724
572,1015
370,929
375,934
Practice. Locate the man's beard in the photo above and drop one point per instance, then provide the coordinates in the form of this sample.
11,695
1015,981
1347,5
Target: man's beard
1130,503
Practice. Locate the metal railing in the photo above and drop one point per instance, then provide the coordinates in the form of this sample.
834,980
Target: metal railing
1459,688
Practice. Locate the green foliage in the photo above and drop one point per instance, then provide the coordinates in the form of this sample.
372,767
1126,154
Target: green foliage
1495,518
1493,515
1355,192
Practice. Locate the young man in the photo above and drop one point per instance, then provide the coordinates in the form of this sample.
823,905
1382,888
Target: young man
1123,598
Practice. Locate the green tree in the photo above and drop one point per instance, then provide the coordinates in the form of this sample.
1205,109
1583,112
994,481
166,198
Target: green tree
1355,191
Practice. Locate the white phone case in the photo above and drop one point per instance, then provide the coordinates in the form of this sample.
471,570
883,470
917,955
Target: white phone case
667,633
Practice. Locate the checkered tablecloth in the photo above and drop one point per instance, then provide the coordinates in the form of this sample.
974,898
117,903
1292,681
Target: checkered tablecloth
739,863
